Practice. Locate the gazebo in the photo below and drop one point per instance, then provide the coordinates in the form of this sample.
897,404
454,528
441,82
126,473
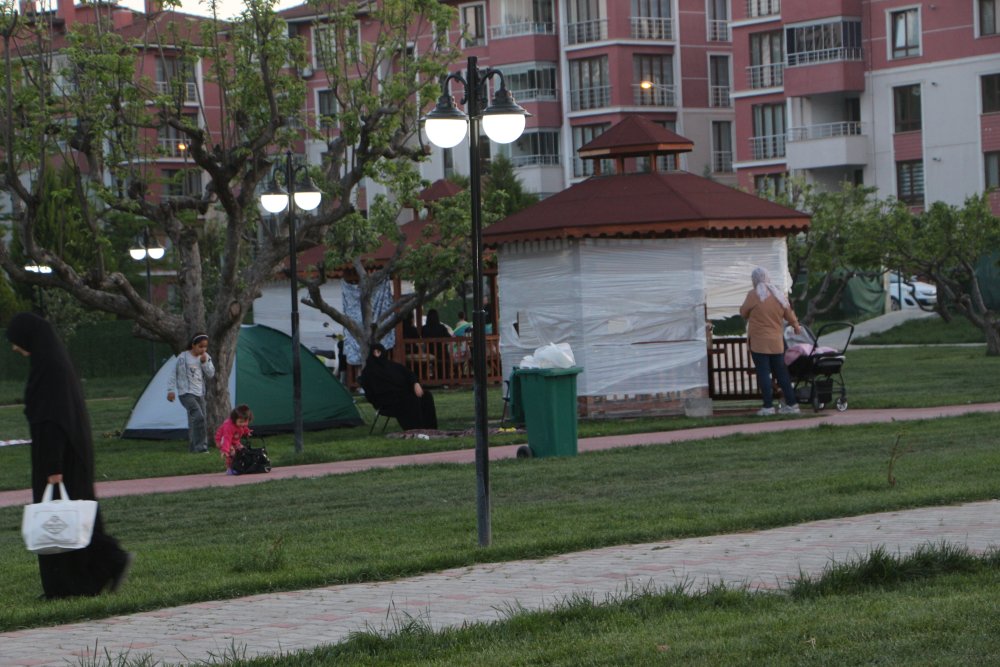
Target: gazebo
629,269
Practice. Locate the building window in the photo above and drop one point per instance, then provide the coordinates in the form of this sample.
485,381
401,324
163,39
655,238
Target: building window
767,59
991,93
992,165
535,148
651,19
584,22
523,17
655,70
719,87
722,147
536,81
823,42
473,25
910,182
182,183
768,131
757,8
718,20
768,185
589,87
326,108
988,22
174,76
584,134
906,108
905,33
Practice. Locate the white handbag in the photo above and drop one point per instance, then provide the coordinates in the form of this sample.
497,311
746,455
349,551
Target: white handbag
55,526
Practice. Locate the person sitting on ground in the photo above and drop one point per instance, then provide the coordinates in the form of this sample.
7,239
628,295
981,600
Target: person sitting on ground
395,391
231,432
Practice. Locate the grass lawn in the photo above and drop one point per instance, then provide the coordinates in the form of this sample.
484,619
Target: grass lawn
927,331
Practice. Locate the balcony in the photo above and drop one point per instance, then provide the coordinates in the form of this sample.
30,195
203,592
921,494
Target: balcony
718,30
595,97
824,56
720,96
645,27
768,147
190,89
520,28
540,160
827,71
583,32
761,8
827,145
658,95
766,76
534,94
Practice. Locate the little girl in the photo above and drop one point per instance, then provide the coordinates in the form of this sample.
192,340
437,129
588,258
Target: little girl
228,436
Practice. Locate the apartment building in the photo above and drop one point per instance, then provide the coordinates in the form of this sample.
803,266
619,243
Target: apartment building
579,67
900,95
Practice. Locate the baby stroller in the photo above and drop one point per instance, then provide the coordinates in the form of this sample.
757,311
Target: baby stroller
250,460
816,370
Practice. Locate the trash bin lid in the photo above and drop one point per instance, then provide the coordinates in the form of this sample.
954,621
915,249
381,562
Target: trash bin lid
572,370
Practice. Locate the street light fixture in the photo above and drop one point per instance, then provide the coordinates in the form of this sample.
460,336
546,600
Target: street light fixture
146,252
39,268
503,121
306,197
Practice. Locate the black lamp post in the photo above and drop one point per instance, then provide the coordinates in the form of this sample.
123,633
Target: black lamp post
147,252
274,201
503,121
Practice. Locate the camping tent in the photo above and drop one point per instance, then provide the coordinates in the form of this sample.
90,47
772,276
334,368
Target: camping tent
261,378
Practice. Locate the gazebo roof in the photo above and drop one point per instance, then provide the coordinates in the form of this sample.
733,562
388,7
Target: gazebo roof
647,205
635,136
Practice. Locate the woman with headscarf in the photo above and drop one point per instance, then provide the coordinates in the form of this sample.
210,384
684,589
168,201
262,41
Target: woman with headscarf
395,391
766,309
62,451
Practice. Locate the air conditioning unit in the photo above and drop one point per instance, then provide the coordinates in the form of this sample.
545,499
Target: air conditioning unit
307,72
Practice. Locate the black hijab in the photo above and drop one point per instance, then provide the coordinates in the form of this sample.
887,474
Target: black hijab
383,377
53,394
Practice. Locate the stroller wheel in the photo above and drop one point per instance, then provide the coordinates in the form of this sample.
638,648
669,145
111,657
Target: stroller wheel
841,404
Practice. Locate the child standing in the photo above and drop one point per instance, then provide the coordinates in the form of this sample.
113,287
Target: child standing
187,383
229,434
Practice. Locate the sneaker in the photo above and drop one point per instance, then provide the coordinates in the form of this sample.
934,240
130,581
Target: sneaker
765,412
122,575
789,409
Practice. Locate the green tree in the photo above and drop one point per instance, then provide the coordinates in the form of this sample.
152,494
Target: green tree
89,106
503,179
943,245
835,248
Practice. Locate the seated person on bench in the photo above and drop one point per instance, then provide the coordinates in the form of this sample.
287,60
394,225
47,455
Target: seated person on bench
395,391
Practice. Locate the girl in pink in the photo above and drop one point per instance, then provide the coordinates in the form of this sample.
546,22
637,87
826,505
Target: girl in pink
228,436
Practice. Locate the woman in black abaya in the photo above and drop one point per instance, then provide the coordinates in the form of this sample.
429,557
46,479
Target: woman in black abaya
394,390
62,450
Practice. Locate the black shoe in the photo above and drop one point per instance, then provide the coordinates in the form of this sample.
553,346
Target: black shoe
122,575
200,450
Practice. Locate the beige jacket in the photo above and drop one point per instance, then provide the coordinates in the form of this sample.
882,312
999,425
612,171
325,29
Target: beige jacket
766,323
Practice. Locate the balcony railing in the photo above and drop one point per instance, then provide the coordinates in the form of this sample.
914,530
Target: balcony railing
522,28
595,97
756,8
171,146
540,160
522,94
718,30
586,31
190,89
847,128
766,76
825,56
722,162
645,27
719,96
768,146
660,95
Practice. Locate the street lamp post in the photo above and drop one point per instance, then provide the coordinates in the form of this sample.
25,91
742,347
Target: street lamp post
147,252
274,201
503,121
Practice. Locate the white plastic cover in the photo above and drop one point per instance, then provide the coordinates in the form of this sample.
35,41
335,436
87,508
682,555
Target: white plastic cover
633,310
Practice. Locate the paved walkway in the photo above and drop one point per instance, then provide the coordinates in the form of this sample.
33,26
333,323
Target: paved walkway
297,620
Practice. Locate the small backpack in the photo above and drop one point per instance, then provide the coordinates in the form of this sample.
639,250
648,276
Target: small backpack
248,460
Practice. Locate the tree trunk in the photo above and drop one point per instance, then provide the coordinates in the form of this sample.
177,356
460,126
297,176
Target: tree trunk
218,400
992,332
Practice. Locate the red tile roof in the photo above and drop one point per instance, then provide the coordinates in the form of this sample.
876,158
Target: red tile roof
647,205
635,135
440,189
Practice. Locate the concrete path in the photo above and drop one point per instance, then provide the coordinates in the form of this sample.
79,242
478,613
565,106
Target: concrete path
838,339
298,620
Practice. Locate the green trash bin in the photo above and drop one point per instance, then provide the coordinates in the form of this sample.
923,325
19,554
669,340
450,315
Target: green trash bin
547,398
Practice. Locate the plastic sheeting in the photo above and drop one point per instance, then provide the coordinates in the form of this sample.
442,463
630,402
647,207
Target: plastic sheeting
633,310
352,308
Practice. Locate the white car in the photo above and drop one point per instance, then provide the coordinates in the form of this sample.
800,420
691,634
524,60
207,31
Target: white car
911,294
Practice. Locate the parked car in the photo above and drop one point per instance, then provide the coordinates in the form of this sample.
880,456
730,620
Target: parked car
911,293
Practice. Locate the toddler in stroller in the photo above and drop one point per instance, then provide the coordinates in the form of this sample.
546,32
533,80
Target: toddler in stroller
815,370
